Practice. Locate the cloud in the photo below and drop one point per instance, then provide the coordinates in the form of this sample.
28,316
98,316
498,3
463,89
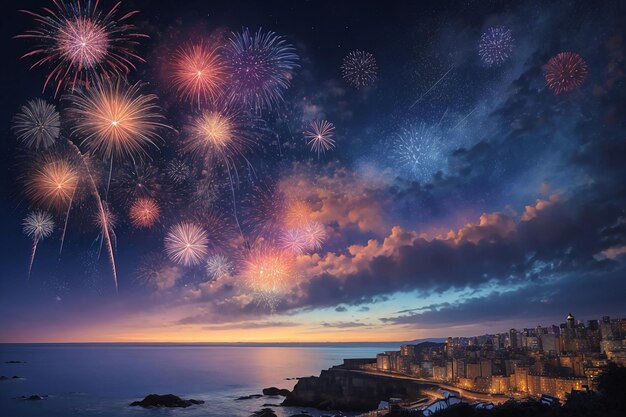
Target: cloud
343,324
588,295
341,198
530,212
562,237
251,325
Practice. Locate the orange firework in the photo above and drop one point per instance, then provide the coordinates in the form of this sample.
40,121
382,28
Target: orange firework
144,212
197,73
297,213
269,273
53,183
217,134
113,118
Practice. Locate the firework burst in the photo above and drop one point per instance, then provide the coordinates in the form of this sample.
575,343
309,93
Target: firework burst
418,150
136,180
37,225
220,136
198,73
294,241
565,72
320,136
154,271
359,69
269,273
77,41
106,221
178,171
297,213
37,125
144,213
53,182
260,66
314,234
113,118
218,266
186,244
264,210
495,46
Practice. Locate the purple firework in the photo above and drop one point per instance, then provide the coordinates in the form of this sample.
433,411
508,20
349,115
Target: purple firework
496,45
261,67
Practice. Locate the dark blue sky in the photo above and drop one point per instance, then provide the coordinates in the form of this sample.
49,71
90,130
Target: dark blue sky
513,215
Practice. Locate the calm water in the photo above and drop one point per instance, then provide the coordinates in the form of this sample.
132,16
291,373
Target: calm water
101,380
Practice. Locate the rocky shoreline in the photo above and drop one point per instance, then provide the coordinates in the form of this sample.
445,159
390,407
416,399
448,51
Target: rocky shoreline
342,389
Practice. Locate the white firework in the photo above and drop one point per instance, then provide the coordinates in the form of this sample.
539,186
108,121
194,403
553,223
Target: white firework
186,244
218,266
38,225
320,136
37,125
496,45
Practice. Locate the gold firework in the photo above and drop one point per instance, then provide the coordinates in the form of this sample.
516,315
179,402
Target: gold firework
53,183
113,118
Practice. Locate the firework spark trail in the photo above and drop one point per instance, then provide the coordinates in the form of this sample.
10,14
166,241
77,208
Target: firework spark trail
67,217
433,86
442,116
463,119
232,190
105,230
223,135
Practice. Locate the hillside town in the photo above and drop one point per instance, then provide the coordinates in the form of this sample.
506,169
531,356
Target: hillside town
532,362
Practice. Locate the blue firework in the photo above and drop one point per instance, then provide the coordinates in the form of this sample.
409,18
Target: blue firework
261,66
417,149
496,45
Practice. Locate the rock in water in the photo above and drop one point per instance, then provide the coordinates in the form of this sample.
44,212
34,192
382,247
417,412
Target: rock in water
273,391
167,400
266,412
248,397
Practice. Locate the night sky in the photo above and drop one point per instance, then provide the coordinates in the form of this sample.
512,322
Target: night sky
462,195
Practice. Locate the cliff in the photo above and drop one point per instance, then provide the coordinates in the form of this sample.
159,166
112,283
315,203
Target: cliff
340,389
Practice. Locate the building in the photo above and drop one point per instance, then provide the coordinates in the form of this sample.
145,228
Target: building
439,373
383,362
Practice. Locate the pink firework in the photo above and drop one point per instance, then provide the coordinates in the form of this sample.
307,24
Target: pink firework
294,241
76,41
565,72
314,234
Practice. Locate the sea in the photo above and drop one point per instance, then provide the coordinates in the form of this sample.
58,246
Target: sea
103,379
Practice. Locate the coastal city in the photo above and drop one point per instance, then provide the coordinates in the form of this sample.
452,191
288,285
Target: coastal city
551,361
